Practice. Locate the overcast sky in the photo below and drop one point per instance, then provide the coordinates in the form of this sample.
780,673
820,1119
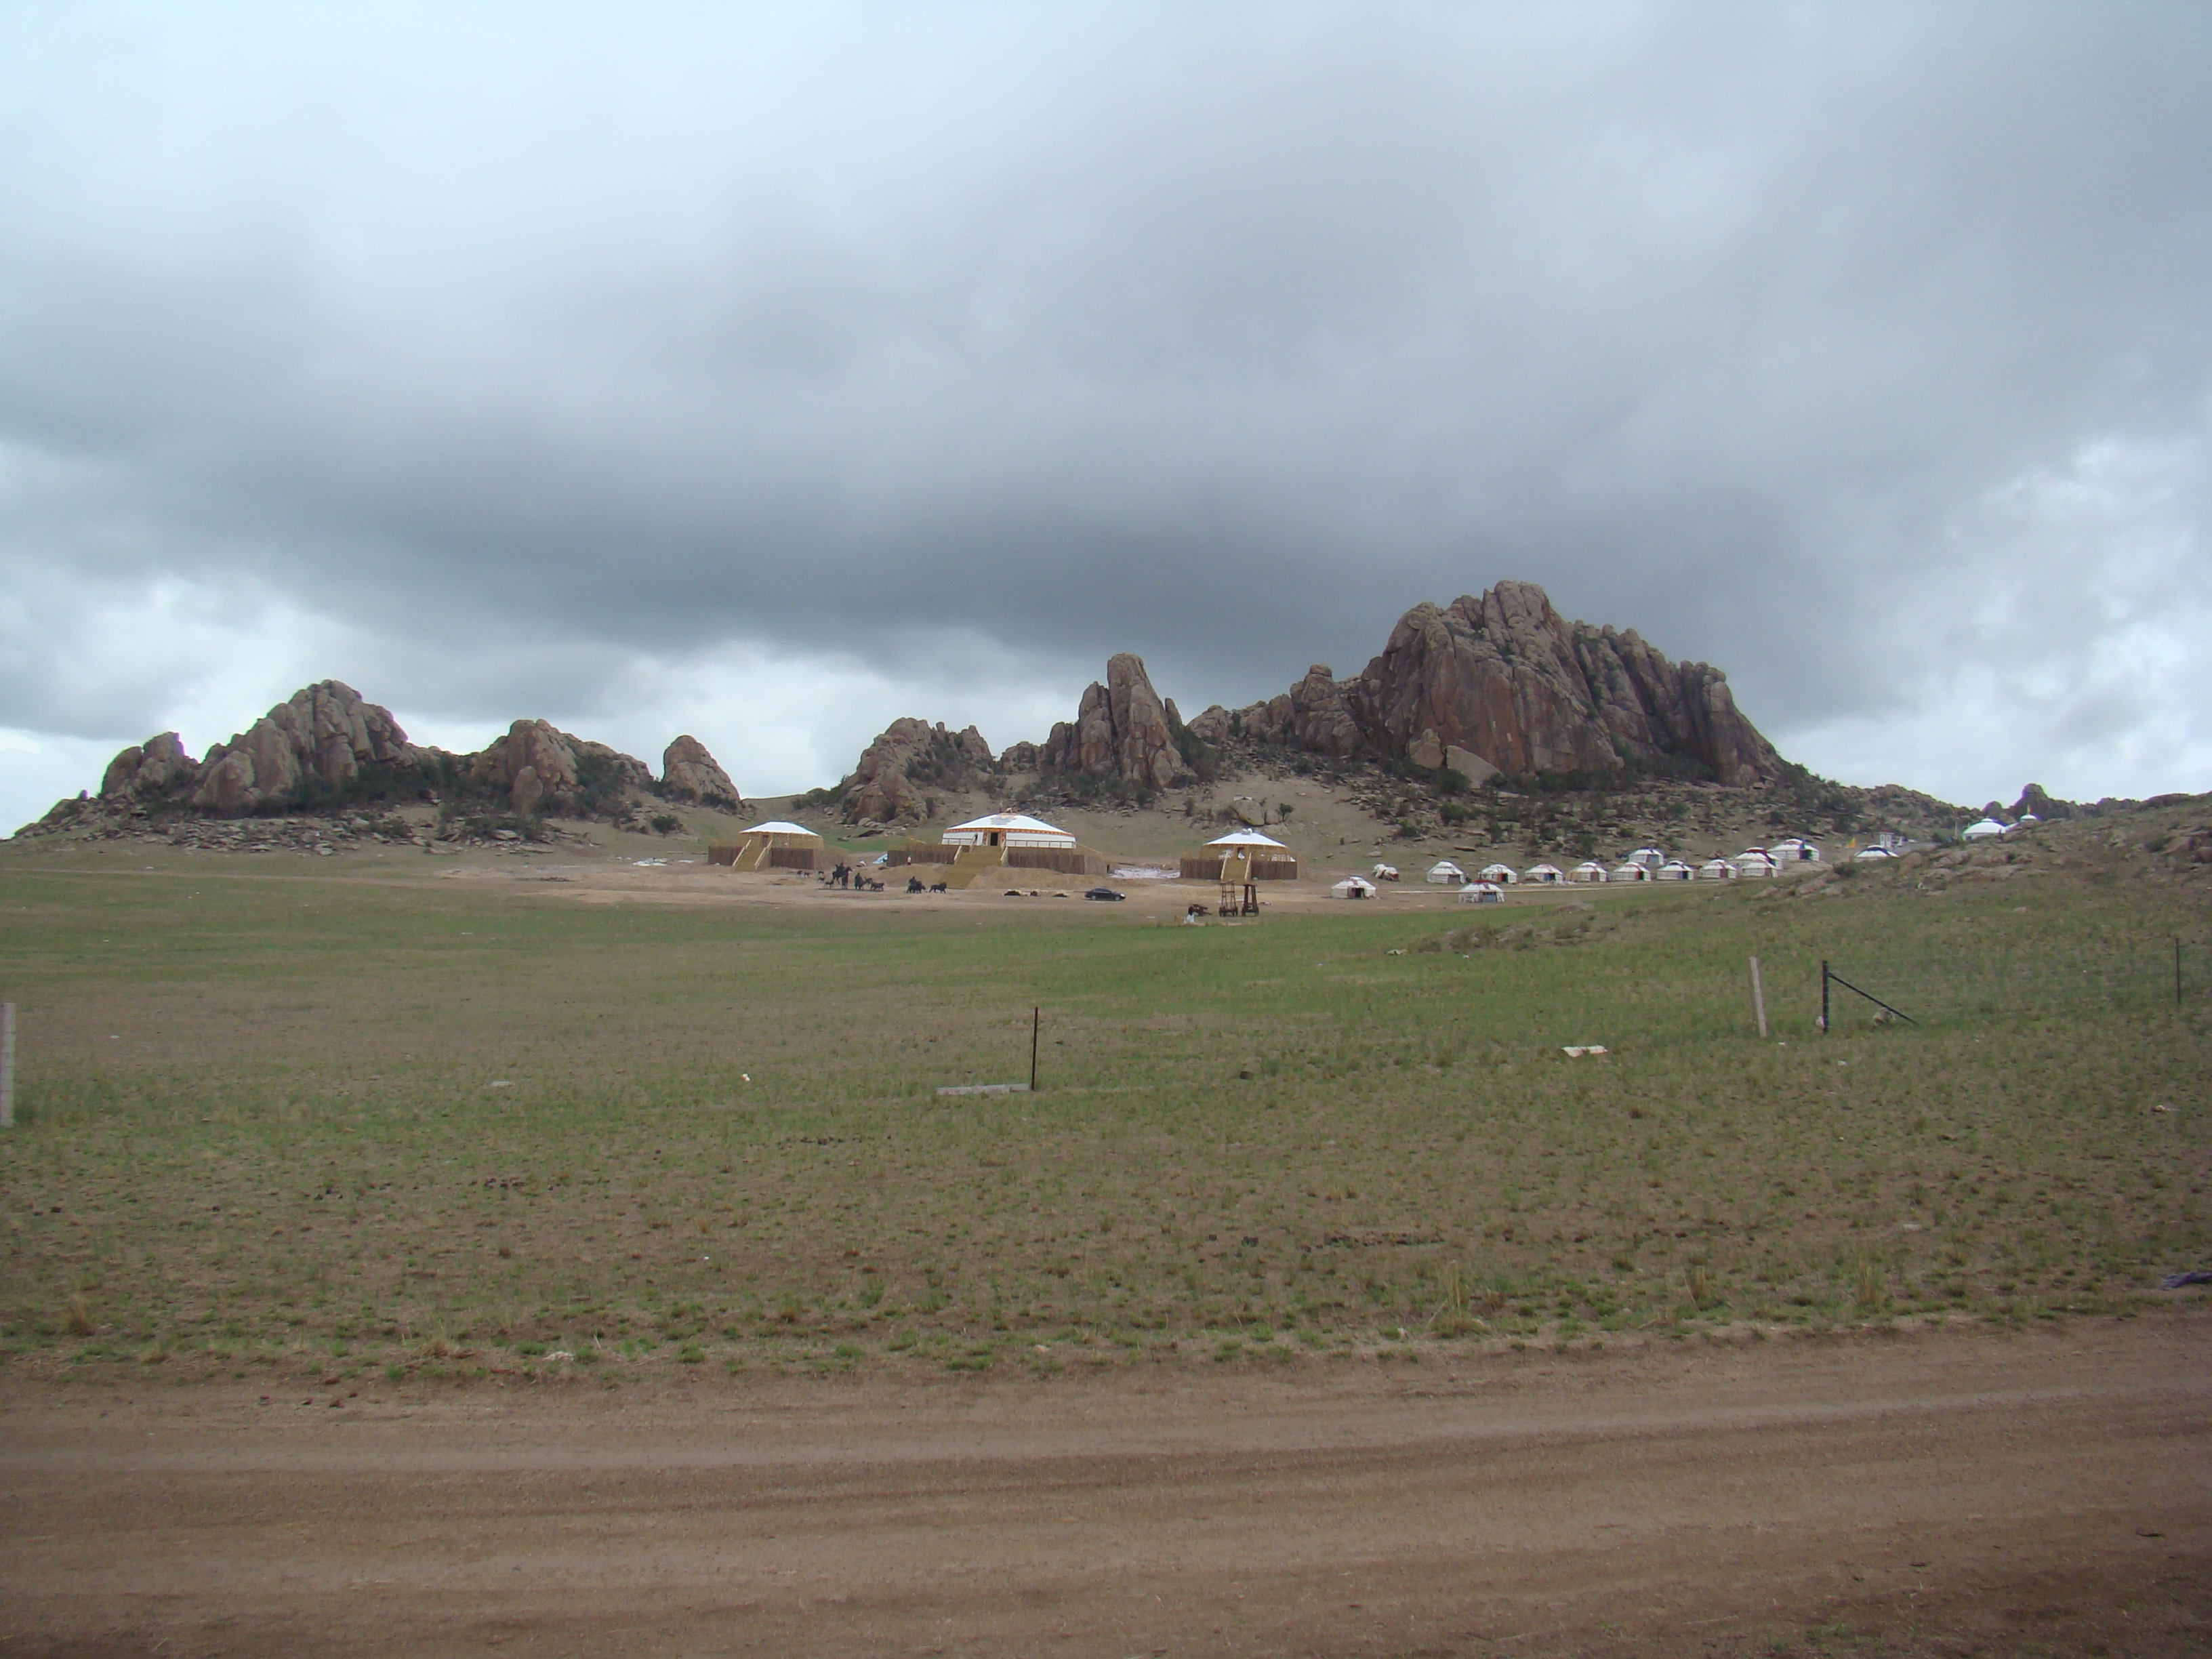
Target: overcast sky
766,374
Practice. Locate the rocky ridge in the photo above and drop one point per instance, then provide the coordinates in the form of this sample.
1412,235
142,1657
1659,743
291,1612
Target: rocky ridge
328,751
1516,690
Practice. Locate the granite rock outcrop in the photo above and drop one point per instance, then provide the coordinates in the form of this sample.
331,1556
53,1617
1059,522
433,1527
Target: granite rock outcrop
688,772
325,733
1503,683
537,767
909,759
1120,730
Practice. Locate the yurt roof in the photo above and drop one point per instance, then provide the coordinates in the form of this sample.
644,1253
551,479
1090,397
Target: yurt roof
1485,887
1246,838
779,827
1589,863
1445,863
1487,868
1021,823
1540,869
1353,881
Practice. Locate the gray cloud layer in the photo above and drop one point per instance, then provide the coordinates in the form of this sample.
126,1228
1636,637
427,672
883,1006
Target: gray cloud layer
899,352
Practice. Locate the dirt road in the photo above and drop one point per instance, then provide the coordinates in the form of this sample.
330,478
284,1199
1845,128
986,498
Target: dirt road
2048,1492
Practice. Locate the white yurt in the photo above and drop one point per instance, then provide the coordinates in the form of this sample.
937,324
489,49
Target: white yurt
1008,830
1544,875
1987,830
1650,857
1588,870
1872,854
1794,850
1716,870
1354,887
1675,870
1632,873
1755,862
1504,874
1445,873
1482,892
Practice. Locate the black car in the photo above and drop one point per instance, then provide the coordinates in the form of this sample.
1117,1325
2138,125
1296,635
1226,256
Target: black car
1104,893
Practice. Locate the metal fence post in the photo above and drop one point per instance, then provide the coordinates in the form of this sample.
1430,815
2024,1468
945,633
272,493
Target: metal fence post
1824,995
1036,1018
7,1065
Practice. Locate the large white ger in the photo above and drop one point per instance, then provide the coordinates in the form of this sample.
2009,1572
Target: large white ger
1008,830
1244,841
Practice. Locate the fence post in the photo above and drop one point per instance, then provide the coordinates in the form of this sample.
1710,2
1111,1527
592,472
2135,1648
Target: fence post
1759,999
1036,1016
7,1065
1824,995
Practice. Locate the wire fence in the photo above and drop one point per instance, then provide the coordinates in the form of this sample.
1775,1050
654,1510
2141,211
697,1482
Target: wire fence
1933,989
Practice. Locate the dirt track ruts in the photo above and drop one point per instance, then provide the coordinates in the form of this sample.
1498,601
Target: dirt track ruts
2048,1491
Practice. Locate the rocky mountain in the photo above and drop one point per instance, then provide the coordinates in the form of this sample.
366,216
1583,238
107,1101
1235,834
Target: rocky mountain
325,734
909,760
1515,689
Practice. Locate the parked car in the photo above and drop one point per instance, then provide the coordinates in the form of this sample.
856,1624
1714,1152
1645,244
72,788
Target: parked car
1104,893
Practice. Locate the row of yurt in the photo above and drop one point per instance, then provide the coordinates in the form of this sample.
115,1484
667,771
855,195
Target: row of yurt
775,845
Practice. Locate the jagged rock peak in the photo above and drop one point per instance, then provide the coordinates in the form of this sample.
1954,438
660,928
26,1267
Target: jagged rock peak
1120,730
688,772
1513,687
909,757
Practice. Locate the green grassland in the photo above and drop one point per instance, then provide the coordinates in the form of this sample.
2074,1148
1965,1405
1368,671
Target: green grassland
300,1119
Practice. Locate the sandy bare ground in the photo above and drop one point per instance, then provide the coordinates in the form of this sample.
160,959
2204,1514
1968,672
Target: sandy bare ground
1940,1493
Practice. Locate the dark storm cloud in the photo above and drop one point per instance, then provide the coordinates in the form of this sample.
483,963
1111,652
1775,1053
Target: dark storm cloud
1844,346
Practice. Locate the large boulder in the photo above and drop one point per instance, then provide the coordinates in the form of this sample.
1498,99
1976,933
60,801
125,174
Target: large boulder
324,734
690,773
1120,730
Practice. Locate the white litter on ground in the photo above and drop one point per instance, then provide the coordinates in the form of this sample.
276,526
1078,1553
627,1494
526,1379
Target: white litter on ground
1576,1051
1142,872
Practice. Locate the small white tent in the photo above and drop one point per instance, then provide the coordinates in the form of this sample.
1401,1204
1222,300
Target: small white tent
1675,870
1794,850
1543,875
1482,892
1588,870
1987,830
1384,873
1354,887
1650,857
1445,873
1755,861
1872,855
1632,873
1504,874
1716,870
